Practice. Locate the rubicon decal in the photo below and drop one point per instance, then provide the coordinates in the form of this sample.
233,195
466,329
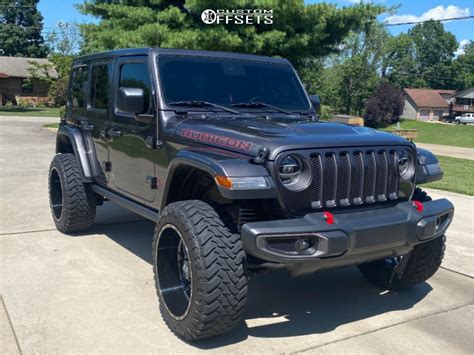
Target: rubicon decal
215,139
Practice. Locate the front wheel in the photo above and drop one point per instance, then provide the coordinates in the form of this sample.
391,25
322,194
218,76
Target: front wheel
199,273
411,269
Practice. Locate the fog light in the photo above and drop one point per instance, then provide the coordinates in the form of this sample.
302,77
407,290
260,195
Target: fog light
302,245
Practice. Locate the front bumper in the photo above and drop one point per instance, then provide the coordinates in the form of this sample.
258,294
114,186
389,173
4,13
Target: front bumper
353,238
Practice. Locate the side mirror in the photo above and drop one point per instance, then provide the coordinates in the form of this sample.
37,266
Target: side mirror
315,101
131,100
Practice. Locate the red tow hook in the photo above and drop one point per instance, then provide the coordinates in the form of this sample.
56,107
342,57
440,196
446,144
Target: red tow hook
418,205
329,217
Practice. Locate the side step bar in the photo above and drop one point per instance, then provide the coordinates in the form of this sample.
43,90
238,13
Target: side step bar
135,207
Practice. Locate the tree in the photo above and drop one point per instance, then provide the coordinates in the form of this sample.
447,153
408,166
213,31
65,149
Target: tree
422,58
20,29
385,107
463,68
63,43
65,40
433,45
300,32
399,65
345,80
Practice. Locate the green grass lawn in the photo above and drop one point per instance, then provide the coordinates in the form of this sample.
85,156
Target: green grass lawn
29,111
458,176
444,134
51,125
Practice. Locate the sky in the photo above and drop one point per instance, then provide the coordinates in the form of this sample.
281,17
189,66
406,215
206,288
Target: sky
54,11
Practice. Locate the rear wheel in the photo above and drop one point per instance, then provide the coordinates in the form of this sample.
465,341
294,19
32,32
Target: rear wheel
410,269
72,203
199,271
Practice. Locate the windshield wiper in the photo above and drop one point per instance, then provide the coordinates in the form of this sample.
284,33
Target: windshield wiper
261,104
195,103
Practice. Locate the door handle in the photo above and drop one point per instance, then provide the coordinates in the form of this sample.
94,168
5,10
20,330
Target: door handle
114,132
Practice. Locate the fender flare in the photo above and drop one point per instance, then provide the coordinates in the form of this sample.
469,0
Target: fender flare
237,167
427,168
77,142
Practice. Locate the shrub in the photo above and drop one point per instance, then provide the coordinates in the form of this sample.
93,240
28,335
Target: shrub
62,111
384,107
326,112
58,91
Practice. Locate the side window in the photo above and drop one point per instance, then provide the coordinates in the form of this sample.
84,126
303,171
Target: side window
136,75
78,86
100,83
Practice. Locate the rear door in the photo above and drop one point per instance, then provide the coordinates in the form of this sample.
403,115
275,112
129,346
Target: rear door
98,113
88,105
132,155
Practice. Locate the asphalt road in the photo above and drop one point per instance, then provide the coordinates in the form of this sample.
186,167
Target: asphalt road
95,292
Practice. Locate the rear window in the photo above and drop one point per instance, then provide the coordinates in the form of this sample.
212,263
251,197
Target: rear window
78,85
100,84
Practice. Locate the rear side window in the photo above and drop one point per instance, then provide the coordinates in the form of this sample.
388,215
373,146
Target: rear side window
136,75
100,83
77,96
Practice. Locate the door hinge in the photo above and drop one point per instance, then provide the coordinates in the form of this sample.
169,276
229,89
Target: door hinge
108,166
153,143
152,181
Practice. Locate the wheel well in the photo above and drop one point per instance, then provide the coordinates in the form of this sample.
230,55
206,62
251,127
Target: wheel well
63,144
190,183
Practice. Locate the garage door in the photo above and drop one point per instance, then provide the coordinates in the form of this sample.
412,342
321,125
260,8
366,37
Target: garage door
437,114
424,115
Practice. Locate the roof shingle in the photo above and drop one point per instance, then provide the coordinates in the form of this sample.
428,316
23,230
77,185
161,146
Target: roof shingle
428,97
18,67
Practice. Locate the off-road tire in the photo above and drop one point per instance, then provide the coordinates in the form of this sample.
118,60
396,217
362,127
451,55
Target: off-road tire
78,201
219,284
414,268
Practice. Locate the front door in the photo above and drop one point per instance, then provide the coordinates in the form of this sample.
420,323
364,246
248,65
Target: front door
132,155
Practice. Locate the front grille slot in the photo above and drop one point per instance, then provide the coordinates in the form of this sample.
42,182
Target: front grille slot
330,180
316,192
353,177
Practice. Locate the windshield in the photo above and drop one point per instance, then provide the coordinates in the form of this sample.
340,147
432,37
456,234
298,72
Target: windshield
230,81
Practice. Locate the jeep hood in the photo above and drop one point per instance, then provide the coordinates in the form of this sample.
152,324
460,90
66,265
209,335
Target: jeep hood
248,136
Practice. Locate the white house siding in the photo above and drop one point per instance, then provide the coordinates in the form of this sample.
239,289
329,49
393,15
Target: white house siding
409,111
468,93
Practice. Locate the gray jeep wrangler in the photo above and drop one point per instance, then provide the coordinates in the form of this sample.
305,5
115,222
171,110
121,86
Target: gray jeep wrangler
226,154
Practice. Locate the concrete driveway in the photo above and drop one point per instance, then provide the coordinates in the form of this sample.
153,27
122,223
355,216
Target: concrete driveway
95,292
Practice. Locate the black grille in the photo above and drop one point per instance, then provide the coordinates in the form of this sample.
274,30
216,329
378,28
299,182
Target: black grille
353,177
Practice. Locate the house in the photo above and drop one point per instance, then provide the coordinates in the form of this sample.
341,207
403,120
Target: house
14,72
426,104
462,102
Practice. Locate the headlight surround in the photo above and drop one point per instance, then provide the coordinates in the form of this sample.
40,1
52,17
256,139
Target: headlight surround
406,165
294,172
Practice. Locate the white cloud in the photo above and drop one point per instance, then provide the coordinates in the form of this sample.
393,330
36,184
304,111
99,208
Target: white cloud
437,13
460,50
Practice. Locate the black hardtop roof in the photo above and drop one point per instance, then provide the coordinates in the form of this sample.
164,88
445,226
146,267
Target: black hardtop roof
181,52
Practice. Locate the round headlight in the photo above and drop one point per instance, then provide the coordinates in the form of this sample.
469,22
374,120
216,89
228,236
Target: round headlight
290,170
406,165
